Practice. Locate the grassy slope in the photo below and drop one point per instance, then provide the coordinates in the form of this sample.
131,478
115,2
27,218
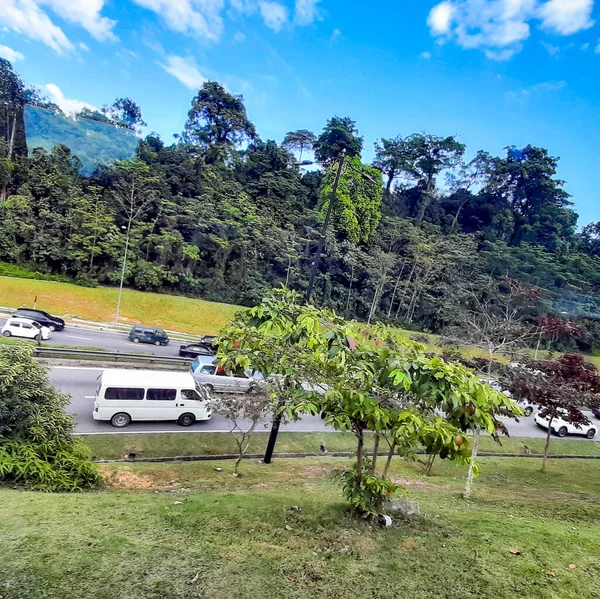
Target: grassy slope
237,538
112,447
171,312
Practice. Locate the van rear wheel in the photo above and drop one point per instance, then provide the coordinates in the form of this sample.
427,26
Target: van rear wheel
186,420
120,420
136,340
6,333
157,343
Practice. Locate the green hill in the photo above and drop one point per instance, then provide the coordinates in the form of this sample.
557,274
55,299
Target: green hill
91,141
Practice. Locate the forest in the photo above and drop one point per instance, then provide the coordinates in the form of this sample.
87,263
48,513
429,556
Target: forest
225,215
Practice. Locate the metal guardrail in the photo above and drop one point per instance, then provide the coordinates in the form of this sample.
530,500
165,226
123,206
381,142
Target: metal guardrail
82,354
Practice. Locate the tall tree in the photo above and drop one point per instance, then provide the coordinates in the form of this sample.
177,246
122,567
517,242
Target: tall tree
126,113
302,139
12,103
340,133
391,157
218,119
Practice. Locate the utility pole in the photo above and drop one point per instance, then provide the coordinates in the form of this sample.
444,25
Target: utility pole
311,283
123,273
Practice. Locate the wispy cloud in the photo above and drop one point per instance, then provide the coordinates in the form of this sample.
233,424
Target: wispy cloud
274,15
336,33
500,27
538,88
239,36
10,54
184,70
306,12
425,55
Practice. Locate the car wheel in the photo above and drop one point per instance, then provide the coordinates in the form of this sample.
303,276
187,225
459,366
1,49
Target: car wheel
562,431
157,343
528,411
252,389
136,340
591,433
52,328
120,420
7,333
186,420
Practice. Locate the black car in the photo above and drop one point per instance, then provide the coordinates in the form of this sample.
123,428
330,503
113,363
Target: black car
193,350
46,320
596,411
209,340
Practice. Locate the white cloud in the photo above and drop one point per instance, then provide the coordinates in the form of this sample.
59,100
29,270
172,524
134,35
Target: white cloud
274,15
85,13
598,48
185,70
28,18
426,55
200,18
551,49
67,105
10,54
336,33
440,18
239,36
306,11
499,27
585,46
565,17
83,47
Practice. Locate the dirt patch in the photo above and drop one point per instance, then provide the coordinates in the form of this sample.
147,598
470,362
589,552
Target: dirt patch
410,543
126,479
316,471
415,484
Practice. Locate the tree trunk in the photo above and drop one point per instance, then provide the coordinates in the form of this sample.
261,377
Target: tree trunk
547,445
375,450
408,281
350,287
358,472
455,219
11,143
429,464
389,459
469,487
395,289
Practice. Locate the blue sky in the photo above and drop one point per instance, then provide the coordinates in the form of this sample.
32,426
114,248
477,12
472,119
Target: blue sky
493,72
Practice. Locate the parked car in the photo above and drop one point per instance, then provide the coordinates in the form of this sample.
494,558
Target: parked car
25,327
126,395
54,323
596,411
141,334
214,378
193,350
561,426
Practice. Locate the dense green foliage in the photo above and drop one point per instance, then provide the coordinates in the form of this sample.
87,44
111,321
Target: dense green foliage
36,446
228,216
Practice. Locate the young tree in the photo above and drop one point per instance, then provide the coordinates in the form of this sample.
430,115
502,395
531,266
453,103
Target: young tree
340,133
382,383
37,448
559,387
244,411
302,139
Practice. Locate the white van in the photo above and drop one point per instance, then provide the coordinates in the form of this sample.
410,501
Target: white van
126,395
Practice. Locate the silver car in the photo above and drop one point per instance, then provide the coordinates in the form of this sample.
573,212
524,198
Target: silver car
207,373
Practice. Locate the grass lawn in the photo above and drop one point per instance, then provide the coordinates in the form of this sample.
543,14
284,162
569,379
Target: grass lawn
115,447
184,530
99,304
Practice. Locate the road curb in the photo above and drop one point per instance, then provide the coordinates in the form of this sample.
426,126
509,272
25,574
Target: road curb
331,454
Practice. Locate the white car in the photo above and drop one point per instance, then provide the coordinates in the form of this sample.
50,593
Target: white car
561,426
25,327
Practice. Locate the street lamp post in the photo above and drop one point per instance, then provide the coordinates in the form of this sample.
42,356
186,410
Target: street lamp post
122,272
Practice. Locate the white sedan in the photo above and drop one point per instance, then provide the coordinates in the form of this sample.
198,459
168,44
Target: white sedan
561,426
25,327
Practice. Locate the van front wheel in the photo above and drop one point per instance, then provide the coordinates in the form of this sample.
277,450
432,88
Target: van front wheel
120,420
186,420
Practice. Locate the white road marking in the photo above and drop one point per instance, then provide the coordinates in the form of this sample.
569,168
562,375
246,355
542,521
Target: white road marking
89,397
76,337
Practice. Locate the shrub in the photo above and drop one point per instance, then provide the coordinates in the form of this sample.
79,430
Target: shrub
37,449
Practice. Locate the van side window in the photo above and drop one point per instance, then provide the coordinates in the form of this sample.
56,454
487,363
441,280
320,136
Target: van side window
190,394
123,393
207,369
161,394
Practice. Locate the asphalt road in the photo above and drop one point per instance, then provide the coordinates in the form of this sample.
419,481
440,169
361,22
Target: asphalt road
107,340
81,384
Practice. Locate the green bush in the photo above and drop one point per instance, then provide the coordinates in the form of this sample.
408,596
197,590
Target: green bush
12,270
37,449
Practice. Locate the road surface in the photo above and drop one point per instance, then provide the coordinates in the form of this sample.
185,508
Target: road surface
81,383
106,340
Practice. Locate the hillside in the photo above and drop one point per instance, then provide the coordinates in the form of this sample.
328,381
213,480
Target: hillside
91,141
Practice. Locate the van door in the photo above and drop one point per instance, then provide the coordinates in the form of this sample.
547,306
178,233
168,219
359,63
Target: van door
191,402
161,404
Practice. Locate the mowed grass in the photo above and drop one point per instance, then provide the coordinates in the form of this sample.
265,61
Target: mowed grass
186,531
116,447
99,304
